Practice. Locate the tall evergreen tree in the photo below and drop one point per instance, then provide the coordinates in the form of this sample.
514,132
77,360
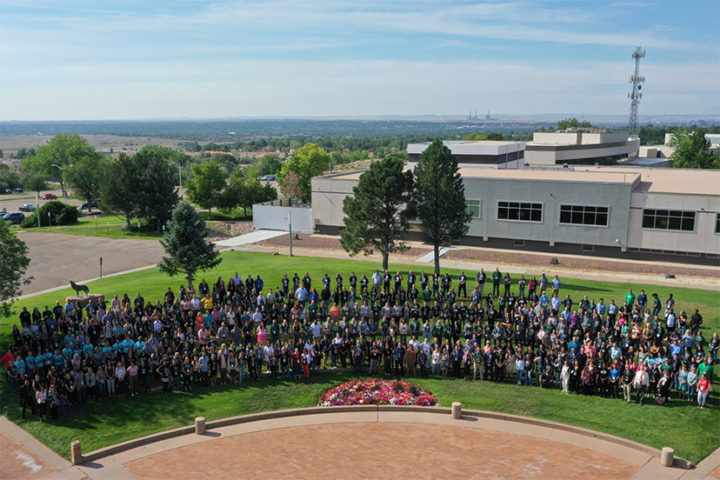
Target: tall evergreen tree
377,214
440,198
186,246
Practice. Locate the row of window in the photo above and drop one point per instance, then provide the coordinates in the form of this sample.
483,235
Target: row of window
679,220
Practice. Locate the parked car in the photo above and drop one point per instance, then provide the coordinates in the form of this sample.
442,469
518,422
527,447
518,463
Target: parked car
19,190
49,196
14,217
27,207
268,178
8,190
86,206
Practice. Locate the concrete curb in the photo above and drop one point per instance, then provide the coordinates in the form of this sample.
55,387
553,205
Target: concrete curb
139,442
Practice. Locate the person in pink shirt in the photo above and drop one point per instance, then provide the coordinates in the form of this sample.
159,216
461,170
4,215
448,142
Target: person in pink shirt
703,390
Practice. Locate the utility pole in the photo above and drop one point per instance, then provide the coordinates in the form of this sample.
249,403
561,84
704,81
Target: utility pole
290,229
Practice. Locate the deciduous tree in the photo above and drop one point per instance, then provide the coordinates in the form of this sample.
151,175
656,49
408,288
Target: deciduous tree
309,161
52,159
206,186
692,150
377,213
86,176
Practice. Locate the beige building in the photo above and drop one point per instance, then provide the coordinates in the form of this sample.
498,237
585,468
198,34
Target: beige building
586,146
476,153
631,212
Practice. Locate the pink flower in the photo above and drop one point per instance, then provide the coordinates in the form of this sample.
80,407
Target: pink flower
377,392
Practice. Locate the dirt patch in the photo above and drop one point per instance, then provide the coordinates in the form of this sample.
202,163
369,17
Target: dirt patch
574,263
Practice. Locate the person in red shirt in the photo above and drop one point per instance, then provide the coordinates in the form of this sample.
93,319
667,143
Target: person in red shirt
8,358
703,388
296,362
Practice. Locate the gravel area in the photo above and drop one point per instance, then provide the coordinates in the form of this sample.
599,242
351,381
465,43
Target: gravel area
322,242
224,230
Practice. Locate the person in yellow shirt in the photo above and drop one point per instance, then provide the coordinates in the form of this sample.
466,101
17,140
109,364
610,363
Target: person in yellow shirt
207,302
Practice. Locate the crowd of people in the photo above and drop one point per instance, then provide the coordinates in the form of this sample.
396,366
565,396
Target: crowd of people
522,330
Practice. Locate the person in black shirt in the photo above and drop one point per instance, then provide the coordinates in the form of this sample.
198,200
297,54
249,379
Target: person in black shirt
462,286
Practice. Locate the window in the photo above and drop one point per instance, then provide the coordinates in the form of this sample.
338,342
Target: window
518,243
669,220
717,223
520,211
583,215
473,208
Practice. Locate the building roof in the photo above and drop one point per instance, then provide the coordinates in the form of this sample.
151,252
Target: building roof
555,175
644,180
471,147
675,180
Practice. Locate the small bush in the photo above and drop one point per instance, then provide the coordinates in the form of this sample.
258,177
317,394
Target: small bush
60,214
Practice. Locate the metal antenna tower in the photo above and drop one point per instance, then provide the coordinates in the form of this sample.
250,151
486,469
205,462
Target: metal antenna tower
635,95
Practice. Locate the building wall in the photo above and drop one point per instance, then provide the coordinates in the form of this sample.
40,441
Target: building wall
276,218
328,195
552,154
703,239
552,195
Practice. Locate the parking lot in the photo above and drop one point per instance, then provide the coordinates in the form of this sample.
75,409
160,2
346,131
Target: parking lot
57,258
12,202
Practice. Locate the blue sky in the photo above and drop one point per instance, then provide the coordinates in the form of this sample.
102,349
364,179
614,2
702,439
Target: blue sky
64,60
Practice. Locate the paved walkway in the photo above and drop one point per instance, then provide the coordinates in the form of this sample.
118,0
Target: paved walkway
25,457
252,237
472,447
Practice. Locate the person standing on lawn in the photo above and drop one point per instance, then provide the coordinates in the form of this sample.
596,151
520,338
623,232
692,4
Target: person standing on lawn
496,277
704,387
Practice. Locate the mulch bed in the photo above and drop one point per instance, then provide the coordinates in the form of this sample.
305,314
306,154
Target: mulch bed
491,257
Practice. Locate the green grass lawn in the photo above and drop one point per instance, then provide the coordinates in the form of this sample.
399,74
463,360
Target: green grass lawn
107,226
686,428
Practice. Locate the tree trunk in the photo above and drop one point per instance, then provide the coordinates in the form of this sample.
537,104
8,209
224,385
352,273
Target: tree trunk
436,248
385,256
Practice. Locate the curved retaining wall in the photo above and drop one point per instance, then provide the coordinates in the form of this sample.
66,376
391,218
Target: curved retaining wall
139,442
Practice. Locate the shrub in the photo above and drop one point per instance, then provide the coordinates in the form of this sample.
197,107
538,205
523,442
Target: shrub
60,214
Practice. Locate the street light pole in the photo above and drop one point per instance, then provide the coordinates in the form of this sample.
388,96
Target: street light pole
62,178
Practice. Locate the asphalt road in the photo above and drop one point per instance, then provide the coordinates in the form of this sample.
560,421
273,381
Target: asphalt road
57,258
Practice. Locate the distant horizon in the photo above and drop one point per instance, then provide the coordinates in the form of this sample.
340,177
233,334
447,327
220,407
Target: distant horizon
494,117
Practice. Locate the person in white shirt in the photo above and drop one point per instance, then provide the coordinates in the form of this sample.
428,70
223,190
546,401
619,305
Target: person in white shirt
520,369
565,377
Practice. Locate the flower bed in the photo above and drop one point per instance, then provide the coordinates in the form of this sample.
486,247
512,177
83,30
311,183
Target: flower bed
377,392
